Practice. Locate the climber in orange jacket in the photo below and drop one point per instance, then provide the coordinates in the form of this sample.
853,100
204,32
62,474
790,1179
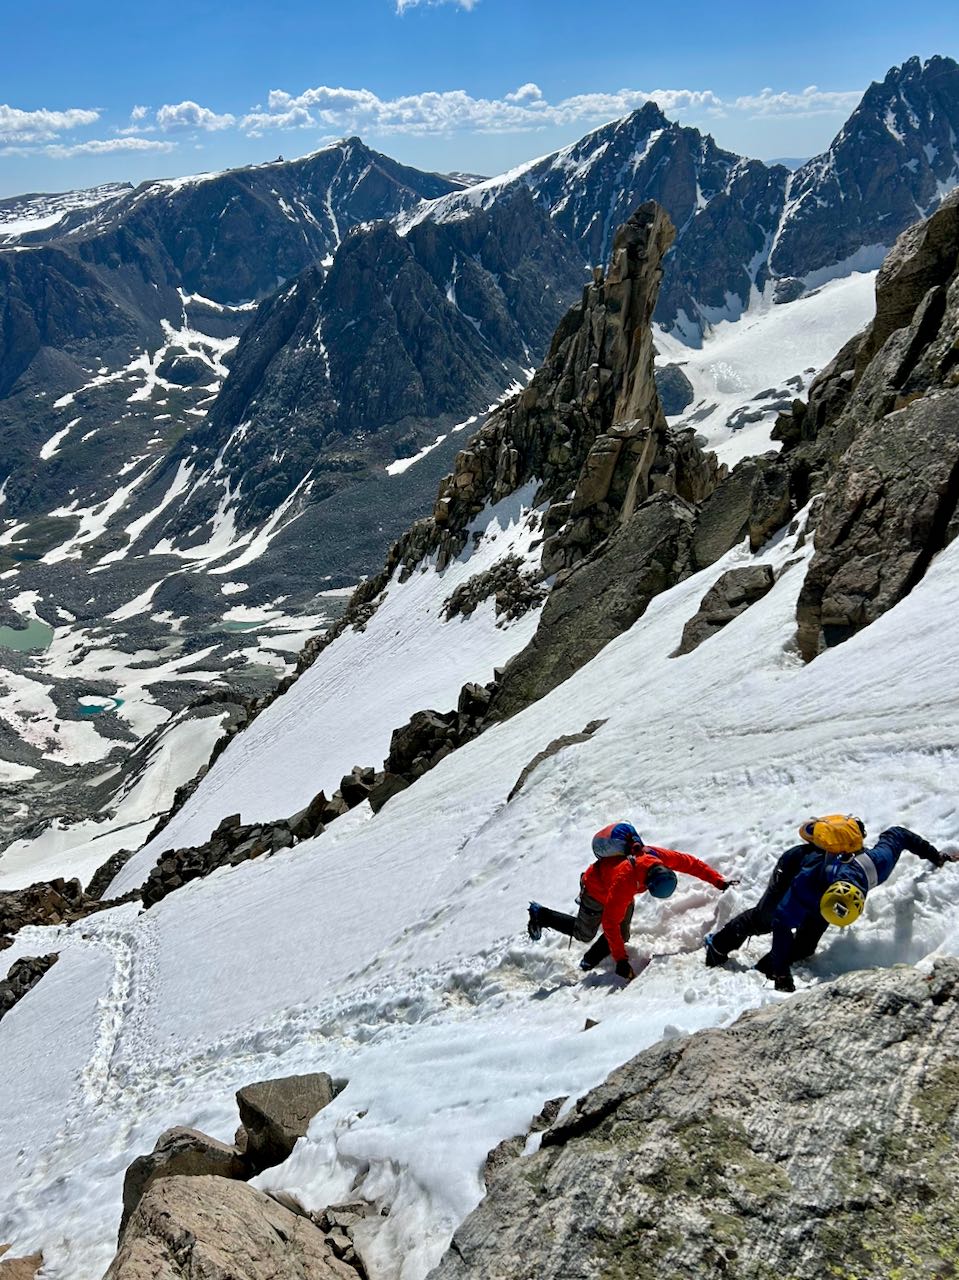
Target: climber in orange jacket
624,866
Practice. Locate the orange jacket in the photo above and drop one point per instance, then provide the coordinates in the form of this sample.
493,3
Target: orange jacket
616,885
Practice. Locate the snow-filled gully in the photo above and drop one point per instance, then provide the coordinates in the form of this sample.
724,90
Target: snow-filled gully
391,950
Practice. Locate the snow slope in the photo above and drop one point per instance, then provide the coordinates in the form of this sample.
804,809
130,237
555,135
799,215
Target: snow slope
343,710
391,949
746,367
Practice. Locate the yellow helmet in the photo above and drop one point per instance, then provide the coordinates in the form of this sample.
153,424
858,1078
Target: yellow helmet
842,903
835,833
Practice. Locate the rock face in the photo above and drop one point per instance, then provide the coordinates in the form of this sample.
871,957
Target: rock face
188,1228
104,876
880,437
886,512
275,1113
23,976
750,1152
726,599
599,600
234,842
752,502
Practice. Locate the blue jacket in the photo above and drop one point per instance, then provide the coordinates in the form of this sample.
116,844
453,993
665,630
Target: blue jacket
868,869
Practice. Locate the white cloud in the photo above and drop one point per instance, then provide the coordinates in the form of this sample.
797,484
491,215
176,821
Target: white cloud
41,125
811,102
526,93
139,113
403,5
103,146
190,115
522,110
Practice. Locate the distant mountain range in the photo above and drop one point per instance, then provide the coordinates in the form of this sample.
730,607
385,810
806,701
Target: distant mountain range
232,372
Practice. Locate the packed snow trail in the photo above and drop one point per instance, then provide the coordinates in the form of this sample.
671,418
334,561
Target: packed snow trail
391,950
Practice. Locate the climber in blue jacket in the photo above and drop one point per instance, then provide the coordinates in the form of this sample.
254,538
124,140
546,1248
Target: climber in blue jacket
823,883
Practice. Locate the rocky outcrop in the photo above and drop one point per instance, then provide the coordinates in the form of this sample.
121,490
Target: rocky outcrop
752,502
598,375
187,1228
179,1153
750,1151
600,599
886,512
24,1268
514,590
726,599
105,875
48,902
234,841
675,389
429,737
230,844
880,438
22,976
186,1212
275,1113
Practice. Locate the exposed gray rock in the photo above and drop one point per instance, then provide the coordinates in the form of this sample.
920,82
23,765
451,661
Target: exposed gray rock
675,389
600,599
275,1113
507,1150
788,289
886,512
752,1151
514,591
179,1152
726,599
880,437
234,842
104,876
889,162
752,501
22,976
387,785
208,1228
356,785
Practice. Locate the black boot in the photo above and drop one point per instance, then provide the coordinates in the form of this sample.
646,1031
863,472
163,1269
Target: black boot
714,957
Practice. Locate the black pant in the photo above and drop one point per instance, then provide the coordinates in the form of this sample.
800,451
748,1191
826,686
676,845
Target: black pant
584,926
789,947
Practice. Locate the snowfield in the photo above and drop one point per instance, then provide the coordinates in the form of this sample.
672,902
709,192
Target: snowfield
768,356
391,950
343,710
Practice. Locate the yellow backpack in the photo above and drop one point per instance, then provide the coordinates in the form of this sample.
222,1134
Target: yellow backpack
835,833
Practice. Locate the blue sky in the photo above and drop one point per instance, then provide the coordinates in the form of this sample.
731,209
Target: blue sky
99,92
